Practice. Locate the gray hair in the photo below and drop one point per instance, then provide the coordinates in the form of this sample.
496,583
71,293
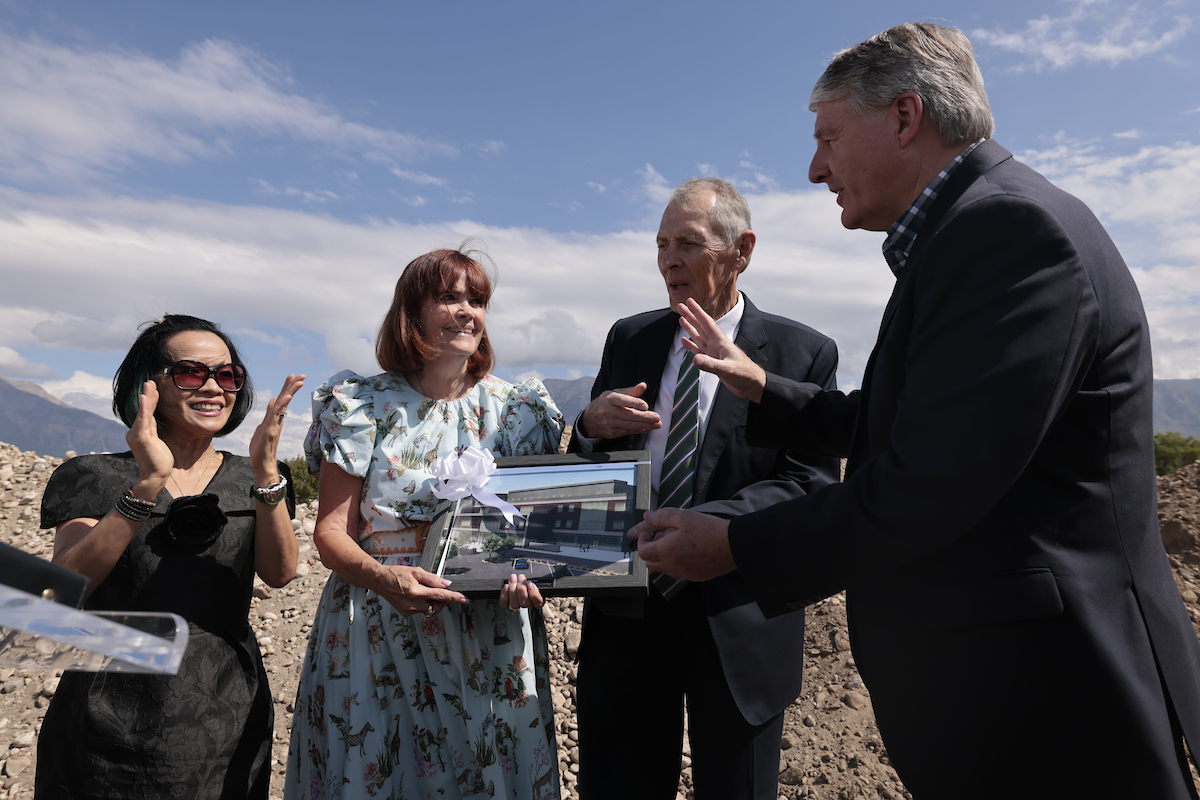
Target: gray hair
936,63
730,214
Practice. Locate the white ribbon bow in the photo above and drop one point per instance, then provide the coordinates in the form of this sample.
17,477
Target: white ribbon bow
467,475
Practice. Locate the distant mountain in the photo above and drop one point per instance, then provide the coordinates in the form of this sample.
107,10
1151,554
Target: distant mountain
33,388
571,397
34,420
1177,407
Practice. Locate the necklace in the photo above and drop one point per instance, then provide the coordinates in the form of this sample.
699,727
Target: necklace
198,483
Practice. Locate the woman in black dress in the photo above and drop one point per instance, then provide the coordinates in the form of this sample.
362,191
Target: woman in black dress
174,525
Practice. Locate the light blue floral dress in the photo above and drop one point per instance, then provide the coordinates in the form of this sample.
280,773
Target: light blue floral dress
454,705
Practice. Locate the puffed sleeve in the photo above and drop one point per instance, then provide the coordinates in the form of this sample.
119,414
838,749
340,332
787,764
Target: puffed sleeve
343,428
530,423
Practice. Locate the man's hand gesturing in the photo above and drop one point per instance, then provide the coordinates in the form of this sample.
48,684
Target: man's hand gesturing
617,413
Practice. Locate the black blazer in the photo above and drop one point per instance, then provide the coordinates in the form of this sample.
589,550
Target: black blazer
761,658
1011,605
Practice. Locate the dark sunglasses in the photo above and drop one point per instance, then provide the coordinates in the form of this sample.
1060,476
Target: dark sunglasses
192,375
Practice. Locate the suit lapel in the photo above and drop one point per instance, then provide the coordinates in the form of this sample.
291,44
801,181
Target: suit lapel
987,155
728,409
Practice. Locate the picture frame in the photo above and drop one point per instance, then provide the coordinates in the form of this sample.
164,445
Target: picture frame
571,542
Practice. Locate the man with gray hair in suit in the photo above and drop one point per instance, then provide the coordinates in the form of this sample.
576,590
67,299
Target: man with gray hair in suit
707,641
1011,607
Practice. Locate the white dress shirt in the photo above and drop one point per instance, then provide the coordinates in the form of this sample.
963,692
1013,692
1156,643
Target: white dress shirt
656,441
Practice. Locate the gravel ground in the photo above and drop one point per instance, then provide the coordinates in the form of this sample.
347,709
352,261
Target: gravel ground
831,750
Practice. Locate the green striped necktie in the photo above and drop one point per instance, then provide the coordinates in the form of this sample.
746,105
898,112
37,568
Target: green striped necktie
679,458
683,440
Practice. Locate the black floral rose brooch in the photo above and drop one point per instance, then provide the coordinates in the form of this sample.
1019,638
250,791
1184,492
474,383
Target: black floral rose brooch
195,522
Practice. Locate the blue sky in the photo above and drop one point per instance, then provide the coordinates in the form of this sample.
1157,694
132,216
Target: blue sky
273,166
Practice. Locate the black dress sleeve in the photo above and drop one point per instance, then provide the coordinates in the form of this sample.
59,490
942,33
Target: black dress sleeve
87,486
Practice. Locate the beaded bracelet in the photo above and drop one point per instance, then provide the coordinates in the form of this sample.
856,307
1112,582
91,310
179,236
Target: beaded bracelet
138,502
271,495
133,507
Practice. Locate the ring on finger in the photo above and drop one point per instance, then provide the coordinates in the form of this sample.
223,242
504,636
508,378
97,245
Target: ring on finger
429,612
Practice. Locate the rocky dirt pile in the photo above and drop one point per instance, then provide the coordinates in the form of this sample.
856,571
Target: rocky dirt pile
1179,521
832,747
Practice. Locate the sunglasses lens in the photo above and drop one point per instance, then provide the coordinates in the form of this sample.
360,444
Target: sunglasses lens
192,375
189,374
231,377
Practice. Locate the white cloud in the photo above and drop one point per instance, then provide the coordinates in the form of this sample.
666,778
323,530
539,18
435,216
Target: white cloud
80,382
82,390
1150,202
74,110
416,201
288,351
1155,187
493,148
14,365
599,187
291,441
1091,32
98,335
1133,133
48,327
83,272
419,178
320,196
655,186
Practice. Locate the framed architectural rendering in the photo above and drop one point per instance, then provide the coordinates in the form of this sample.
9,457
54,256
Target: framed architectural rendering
568,535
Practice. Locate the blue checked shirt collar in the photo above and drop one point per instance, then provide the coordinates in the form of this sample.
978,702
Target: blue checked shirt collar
903,233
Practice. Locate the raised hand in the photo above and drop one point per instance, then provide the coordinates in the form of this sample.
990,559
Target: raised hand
265,441
617,413
154,459
715,353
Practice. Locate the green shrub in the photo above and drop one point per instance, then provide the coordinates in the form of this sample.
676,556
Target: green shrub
495,543
303,481
1174,450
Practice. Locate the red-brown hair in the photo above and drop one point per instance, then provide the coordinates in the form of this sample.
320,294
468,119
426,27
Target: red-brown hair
401,346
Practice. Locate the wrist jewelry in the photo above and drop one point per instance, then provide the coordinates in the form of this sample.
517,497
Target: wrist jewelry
134,507
271,495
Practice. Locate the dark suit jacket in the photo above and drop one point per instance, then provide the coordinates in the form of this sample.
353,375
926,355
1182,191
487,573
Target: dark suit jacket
1011,605
761,658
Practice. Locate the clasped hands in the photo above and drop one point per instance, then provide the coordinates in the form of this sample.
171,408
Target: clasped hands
684,544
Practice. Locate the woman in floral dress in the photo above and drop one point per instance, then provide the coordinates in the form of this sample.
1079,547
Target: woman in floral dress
409,690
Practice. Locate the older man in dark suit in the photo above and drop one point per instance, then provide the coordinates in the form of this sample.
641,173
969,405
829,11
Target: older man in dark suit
708,641
1012,610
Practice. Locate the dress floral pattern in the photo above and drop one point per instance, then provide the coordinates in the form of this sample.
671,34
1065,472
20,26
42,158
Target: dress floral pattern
454,705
